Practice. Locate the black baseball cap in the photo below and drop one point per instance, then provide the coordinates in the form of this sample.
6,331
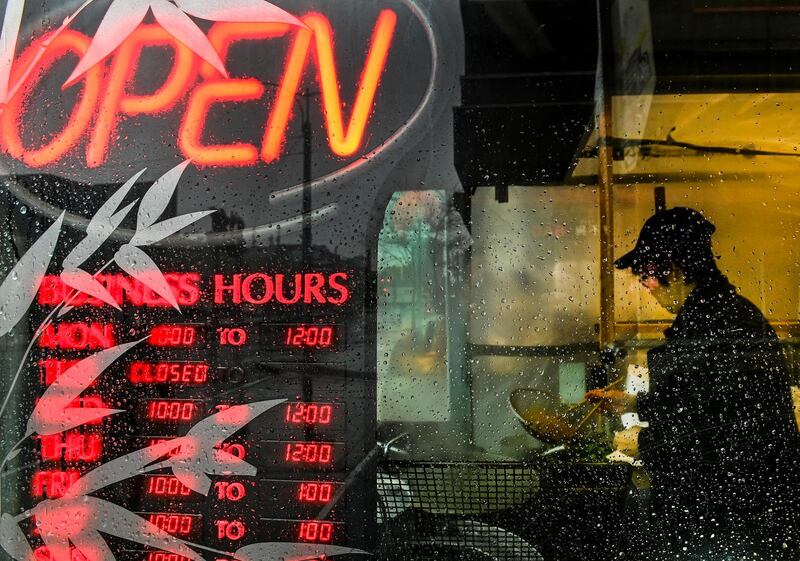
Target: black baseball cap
679,235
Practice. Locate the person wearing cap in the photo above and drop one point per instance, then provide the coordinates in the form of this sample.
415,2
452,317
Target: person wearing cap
720,443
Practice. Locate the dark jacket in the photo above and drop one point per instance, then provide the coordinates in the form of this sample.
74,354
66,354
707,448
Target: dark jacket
721,443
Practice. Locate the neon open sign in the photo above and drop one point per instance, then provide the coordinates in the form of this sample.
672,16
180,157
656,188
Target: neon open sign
108,94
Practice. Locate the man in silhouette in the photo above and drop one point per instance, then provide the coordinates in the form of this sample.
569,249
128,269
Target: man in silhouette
721,440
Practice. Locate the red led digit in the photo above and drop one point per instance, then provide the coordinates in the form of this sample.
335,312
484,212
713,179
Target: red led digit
325,453
308,453
309,413
167,486
176,524
297,340
325,414
164,556
313,492
303,336
325,336
173,336
321,532
171,410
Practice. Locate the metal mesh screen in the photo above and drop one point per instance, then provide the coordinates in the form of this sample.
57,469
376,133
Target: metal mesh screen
444,511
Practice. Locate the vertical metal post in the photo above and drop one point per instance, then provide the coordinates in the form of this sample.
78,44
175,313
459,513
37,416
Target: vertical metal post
605,177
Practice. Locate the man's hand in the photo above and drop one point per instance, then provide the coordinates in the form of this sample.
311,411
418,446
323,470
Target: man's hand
612,401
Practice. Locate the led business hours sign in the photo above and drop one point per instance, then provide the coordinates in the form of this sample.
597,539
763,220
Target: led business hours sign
193,87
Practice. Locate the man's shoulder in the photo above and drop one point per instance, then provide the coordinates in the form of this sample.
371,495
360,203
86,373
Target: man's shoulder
726,314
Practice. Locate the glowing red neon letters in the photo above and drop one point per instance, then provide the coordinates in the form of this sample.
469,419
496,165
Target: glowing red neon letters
103,103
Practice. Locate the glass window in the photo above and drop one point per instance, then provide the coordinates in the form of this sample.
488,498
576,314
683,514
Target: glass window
508,280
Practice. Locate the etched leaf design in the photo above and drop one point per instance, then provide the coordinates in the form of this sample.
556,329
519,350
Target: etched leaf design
22,283
199,456
96,235
158,196
81,519
12,20
122,468
22,78
121,19
97,232
100,226
238,11
53,413
181,26
166,228
287,551
138,264
13,539
84,282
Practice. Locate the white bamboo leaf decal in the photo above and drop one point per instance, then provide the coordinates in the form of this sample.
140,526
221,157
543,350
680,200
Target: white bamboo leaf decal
43,46
158,196
53,413
109,207
98,231
138,264
8,44
166,228
237,11
84,282
121,19
21,285
13,539
199,455
287,551
180,26
81,519
122,468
